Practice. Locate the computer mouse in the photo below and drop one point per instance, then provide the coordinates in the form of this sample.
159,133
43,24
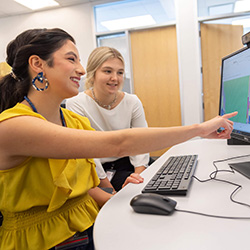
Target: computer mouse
150,203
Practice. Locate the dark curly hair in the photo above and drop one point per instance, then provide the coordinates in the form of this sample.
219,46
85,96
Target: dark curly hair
40,42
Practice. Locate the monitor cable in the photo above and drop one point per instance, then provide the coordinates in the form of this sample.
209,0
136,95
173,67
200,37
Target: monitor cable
213,177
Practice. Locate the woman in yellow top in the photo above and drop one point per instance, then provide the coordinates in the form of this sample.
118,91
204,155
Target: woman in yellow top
48,180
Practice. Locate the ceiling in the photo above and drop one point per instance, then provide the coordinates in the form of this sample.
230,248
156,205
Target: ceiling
12,8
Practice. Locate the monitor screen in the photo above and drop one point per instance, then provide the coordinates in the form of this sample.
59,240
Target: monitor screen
235,92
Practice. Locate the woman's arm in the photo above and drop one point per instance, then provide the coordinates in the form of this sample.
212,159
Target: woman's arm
31,136
105,183
100,196
140,169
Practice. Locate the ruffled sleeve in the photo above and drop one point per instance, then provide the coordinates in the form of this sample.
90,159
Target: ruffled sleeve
66,177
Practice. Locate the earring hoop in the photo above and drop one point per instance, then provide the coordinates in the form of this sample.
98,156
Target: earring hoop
40,77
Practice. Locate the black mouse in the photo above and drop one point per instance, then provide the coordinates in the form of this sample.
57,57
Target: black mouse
153,204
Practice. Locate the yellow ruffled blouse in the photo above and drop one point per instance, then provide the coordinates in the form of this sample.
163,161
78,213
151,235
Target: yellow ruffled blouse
45,201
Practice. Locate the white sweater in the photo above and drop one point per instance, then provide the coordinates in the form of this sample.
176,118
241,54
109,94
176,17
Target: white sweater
128,113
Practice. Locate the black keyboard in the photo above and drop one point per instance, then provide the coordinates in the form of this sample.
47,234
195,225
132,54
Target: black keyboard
174,177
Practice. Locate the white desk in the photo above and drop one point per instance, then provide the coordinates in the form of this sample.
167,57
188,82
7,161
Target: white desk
118,227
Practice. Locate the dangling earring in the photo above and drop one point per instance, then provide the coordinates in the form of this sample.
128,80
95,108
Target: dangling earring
40,77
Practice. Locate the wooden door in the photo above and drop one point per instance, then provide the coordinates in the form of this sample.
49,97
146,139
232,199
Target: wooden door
155,76
217,41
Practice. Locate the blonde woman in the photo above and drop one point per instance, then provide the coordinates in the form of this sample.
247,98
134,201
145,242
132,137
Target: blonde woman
109,108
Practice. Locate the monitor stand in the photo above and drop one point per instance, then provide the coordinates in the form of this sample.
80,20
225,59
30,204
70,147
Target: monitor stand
234,141
242,167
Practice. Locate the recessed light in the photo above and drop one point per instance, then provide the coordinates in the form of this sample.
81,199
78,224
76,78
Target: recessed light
242,6
130,22
37,4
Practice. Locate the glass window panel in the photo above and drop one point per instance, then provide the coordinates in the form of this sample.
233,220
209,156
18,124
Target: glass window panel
119,42
244,21
133,13
216,7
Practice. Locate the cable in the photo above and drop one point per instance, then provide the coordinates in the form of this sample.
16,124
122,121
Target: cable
238,186
212,215
213,177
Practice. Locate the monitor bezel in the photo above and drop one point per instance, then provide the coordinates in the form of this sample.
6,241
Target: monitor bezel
237,136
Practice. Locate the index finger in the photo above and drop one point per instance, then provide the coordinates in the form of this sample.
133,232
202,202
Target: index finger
230,115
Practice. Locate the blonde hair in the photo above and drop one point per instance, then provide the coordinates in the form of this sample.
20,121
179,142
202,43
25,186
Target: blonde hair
97,57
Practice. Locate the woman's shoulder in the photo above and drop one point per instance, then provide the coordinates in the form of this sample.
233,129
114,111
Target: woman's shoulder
131,98
18,110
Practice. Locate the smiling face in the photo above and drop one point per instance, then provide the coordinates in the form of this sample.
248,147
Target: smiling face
109,76
65,74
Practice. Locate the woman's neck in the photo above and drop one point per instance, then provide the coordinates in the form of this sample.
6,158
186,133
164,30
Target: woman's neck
47,107
106,101
119,97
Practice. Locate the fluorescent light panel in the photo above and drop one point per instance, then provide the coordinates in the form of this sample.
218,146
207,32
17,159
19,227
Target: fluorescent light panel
242,6
37,4
220,9
130,22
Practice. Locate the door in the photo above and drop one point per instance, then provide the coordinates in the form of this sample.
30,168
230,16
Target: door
155,76
217,41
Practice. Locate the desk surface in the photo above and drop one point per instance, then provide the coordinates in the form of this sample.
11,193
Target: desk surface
118,227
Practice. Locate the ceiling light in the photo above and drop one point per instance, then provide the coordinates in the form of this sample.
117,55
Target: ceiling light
242,6
37,4
130,22
220,9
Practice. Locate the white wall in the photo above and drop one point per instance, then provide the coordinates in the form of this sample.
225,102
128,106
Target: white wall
76,20
189,61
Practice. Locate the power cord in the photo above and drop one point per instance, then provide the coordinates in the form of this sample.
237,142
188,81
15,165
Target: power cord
213,177
212,215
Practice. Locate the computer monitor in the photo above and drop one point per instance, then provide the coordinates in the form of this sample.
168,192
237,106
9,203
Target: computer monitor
235,93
